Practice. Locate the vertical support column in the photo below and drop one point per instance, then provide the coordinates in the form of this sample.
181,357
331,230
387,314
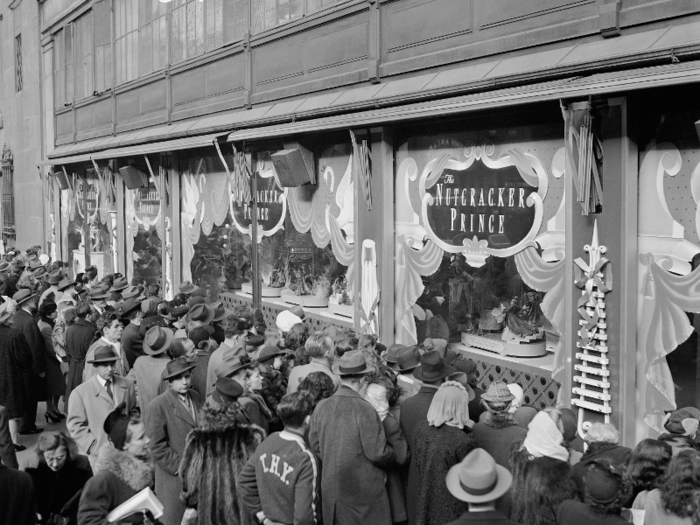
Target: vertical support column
86,219
175,171
375,42
618,227
121,226
377,224
254,251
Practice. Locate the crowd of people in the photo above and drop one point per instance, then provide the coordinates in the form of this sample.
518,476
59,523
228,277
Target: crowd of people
230,421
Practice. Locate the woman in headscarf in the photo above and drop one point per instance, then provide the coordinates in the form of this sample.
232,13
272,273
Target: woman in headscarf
440,442
55,383
541,471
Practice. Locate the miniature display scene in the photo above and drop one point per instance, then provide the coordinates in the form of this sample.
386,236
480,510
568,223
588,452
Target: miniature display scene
480,222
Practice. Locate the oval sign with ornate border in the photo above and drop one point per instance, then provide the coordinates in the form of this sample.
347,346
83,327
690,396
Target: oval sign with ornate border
479,205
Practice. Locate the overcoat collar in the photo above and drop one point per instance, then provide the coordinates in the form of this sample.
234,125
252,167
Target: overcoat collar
346,391
179,409
118,389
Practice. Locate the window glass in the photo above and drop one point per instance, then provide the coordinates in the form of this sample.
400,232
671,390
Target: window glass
476,213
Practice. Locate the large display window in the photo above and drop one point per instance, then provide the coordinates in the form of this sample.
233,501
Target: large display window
480,235
89,219
216,255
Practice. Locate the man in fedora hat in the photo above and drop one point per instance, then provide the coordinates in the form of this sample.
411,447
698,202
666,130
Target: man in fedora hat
353,450
320,349
34,379
479,481
54,280
170,417
93,400
132,342
112,328
148,368
235,329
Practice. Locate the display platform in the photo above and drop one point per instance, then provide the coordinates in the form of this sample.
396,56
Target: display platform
493,342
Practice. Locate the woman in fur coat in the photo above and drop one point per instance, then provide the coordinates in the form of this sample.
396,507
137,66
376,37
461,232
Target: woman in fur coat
214,455
123,469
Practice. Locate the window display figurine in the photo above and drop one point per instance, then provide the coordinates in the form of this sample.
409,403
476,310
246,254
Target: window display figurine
523,322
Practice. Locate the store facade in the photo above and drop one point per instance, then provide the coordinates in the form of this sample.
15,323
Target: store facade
537,209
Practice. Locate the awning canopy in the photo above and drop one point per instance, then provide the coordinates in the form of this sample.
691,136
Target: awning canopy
603,83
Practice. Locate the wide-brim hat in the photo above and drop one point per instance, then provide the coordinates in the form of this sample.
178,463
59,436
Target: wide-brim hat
232,364
270,352
120,283
177,367
23,296
254,340
220,313
4,265
104,354
65,284
498,392
187,287
150,306
407,360
157,340
150,322
392,353
478,478
353,363
432,368
55,277
40,273
200,312
128,306
226,390
35,265
179,311
131,292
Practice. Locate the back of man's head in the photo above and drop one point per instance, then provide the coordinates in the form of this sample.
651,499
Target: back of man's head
293,409
319,345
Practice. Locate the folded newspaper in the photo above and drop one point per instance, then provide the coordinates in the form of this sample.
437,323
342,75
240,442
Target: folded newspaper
141,502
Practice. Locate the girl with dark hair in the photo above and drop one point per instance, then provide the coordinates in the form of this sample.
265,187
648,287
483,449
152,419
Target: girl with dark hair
59,478
673,503
319,386
546,486
647,465
296,338
55,383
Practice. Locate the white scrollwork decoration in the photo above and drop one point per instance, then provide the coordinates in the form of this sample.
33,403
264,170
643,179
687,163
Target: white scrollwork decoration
530,168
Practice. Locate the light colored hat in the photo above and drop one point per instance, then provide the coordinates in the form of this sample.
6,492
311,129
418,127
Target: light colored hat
286,319
7,310
478,479
44,259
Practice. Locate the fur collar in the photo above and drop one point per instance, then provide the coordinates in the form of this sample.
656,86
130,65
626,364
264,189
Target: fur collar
135,472
500,420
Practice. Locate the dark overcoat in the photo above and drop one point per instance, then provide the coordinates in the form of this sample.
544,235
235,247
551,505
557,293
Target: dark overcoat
347,435
17,501
55,382
167,425
59,492
396,482
15,360
413,410
35,386
7,448
79,337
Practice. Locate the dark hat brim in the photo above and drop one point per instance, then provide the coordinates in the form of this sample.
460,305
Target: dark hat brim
418,374
180,372
364,371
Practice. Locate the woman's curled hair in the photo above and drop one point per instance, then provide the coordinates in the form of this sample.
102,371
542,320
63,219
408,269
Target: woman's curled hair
682,479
